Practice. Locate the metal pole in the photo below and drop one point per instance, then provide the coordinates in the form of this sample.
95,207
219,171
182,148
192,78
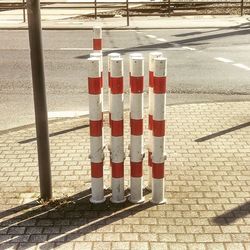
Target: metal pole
241,7
24,17
127,13
169,12
95,9
36,55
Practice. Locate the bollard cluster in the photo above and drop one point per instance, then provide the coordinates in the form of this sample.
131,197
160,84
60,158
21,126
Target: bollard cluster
156,123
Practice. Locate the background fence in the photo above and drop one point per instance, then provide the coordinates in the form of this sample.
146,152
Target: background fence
131,9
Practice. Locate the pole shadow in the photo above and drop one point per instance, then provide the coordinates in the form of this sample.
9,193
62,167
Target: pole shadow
55,133
74,215
222,132
232,215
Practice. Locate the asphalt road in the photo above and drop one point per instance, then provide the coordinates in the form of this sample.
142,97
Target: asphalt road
203,65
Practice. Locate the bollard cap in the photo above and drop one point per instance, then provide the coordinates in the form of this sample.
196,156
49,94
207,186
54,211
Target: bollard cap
97,32
137,66
116,67
94,67
160,67
152,56
136,54
98,55
110,56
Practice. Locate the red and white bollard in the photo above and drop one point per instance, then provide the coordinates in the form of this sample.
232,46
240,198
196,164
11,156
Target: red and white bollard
136,124
159,113
152,56
117,140
110,56
99,55
97,39
96,129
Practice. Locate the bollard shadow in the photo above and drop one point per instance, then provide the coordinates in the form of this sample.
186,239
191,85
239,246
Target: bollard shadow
222,132
55,134
240,30
232,215
63,220
18,209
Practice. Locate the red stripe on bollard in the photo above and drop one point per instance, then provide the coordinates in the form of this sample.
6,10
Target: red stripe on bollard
116,85
94,85
158,170
95,128
136,84
97,170
117,170
159,128
151,79
117,128
136,126
160,85
97,44
136,169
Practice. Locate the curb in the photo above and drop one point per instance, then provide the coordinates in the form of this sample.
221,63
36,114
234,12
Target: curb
128,28
27,126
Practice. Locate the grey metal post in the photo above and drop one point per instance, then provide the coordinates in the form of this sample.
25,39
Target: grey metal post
24,17
169,11
127,12
95,9
36,55
241,7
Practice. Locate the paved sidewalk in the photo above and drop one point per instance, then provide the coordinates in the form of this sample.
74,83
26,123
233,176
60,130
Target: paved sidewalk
139,23
207,187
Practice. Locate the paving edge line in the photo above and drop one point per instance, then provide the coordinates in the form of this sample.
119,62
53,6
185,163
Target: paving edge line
3,132
129,28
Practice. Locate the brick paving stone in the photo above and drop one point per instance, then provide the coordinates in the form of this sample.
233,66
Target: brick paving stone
151,237
197,246
139,245
158,246
177,246
233,246
28,246
207,187
120,245
83,245
102,245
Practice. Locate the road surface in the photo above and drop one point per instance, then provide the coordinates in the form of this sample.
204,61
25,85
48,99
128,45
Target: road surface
203,65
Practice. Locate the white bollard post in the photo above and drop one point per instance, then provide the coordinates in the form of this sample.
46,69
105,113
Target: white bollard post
110,56
96,129
152,56
117,140
159,106
97,39
136,124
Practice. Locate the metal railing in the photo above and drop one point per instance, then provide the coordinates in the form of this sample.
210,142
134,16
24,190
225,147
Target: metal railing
130,9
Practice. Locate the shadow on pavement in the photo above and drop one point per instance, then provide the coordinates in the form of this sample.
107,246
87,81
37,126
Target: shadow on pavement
55,133
223,132
232,215
63,220
182,42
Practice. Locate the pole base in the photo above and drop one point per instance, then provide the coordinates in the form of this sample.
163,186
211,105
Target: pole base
97,201
136,201
116,201
159,202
